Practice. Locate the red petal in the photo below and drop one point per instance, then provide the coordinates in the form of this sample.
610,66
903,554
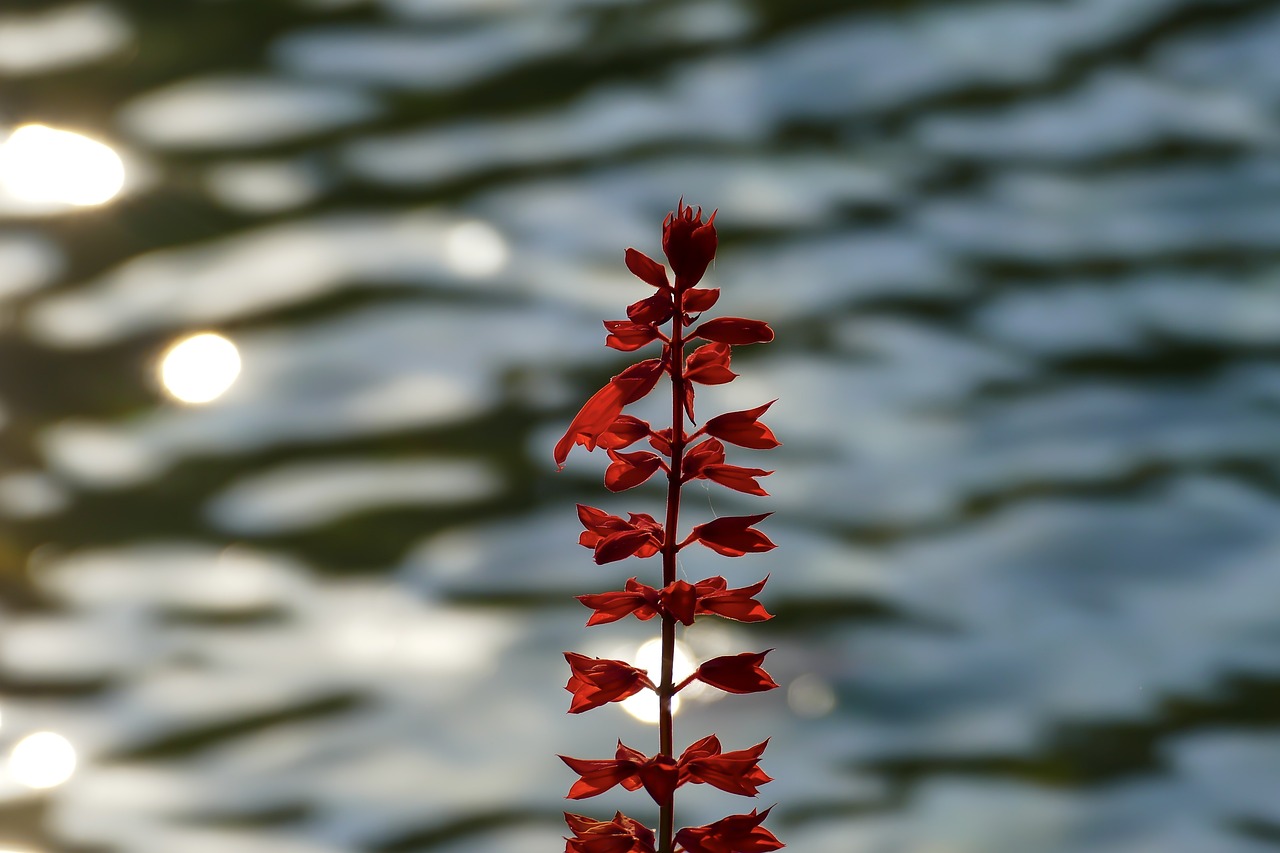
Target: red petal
636,599
599,412
627,336
646,268
619,546
698,299
709,364
739,833
709,452
744,428
681,601
737,604
735,330
737,673
597,776
736,478
657,308
733,536
623,432
629,470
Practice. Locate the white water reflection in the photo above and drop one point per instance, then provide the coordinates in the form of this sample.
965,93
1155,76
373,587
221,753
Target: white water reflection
44,166
644,705
200,369
68,35
42,760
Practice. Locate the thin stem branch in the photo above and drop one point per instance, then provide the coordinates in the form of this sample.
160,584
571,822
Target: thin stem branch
670,548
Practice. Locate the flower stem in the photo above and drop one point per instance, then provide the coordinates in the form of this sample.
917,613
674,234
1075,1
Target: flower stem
670,548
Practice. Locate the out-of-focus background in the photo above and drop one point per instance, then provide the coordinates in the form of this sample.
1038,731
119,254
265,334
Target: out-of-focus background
285,566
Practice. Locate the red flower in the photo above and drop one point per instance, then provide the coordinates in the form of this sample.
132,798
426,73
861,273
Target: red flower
737,673
630,469
734,330
706,461
647,269
709,364
738,604
599,681
688,243
695,300
631,768
739,833
626,335
615,539
599,412
636,598
623,432
736,772
733,535
620,835
744,428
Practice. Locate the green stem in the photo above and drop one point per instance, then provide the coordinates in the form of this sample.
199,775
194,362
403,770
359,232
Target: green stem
670,547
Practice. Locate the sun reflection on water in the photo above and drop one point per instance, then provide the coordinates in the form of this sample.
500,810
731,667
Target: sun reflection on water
42,760
200,368
43,166
644,705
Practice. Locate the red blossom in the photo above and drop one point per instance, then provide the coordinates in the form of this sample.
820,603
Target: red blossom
706,460
599,412
680,599
695,300
714,597
734,330
733,535
647,269
625,431
635,599
688,243
656,309
736,673
709,364
626,335
629,470
620,835
630,768
744,428
736,772
739,833
615,539
599,681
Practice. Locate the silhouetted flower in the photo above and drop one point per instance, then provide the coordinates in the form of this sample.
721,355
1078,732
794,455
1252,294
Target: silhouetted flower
599,681
739,833
736,673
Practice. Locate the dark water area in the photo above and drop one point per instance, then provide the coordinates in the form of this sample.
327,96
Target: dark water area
1023,260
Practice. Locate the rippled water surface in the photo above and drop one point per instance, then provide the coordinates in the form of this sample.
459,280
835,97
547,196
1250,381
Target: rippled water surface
1023,259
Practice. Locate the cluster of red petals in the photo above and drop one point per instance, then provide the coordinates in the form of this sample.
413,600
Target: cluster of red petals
620,835
683,600
737,772
736,673
733,535
599,681
689,244
706,461
739,833
604,406
614,539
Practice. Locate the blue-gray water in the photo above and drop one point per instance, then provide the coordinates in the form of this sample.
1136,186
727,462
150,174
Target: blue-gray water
1023,260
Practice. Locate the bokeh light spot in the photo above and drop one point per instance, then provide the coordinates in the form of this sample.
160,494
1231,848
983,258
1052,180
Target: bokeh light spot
41,165
475,249
42,760
200,369
644,705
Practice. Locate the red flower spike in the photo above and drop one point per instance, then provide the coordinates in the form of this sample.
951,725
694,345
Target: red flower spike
689,244
620,835
647,269
739,604
623,432
709,364
737,673
695,300
733,535
744,428
599,412
680,599
736,772
630,469
734,330
635,599
599,681
627,336
739,833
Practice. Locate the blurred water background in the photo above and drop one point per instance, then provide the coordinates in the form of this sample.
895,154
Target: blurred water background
1023,259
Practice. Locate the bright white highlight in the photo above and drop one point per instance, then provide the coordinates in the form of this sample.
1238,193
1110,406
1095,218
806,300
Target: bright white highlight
200,368
644,705
42,760
475,249
43,166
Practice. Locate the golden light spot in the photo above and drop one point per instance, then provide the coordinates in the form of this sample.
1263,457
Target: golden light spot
644,705
200,369
42,760
41,165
